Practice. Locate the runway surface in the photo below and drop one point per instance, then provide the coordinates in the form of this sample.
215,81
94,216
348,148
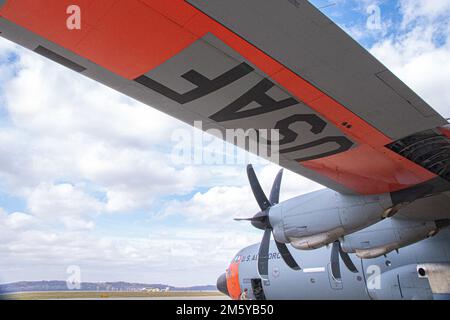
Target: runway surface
157,298
89,295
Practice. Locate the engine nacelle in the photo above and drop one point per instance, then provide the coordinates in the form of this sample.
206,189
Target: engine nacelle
386,236
318,240
316,219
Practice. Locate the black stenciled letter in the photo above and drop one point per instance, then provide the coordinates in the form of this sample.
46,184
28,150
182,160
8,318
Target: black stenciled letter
257,94
317,126
289,135
204,85
344,145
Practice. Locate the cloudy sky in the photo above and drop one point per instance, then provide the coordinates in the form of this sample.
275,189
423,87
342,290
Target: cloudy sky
87,177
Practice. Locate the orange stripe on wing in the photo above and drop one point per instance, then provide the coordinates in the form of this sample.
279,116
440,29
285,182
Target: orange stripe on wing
370,171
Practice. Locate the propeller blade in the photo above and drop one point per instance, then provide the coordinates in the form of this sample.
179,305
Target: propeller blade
263,255
286,255
258,192
347,261
335,266
274,197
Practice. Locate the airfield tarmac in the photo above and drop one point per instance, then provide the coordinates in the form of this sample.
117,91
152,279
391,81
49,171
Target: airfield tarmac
90,295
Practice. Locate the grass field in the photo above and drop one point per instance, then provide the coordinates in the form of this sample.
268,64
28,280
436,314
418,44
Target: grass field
108,295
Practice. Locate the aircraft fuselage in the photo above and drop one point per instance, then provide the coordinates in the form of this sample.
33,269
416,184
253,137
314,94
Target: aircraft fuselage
393,276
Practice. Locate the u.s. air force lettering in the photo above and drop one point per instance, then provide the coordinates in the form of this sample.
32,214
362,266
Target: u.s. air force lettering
229,93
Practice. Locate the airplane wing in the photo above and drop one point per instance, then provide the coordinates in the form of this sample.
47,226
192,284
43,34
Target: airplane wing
345,120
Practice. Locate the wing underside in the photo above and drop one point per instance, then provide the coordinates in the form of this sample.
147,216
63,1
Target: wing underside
344,119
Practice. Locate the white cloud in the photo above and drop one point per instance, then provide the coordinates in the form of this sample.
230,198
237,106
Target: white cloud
133,178
421,62
428,9
64,203
65,198
170,255
218,204
222,203
18,220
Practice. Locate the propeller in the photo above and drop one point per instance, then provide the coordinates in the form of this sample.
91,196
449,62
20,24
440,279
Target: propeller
261,221
337,251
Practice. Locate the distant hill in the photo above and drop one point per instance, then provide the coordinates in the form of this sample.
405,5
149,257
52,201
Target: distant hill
26,286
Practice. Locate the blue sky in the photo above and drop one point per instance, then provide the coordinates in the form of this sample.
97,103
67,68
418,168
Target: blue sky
77,187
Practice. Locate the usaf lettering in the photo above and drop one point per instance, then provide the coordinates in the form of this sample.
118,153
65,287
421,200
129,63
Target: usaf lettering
237,109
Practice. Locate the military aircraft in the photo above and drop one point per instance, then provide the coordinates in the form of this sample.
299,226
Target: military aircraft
345,121
379,271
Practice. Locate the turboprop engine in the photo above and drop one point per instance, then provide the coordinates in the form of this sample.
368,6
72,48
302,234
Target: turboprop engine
388,235
311,221
322,217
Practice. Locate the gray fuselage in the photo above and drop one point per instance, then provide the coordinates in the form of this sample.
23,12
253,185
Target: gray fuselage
393,276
